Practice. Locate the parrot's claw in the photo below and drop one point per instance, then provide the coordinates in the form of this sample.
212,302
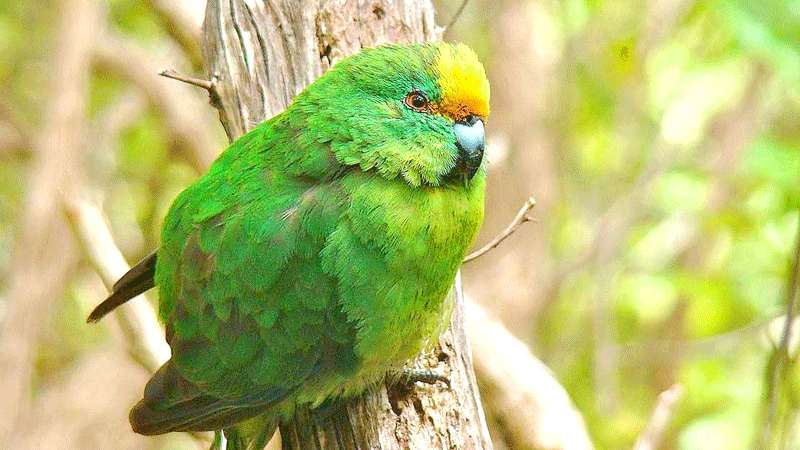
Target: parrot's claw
411,376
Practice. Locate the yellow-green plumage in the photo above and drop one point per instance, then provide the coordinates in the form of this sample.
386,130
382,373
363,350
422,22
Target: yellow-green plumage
316,254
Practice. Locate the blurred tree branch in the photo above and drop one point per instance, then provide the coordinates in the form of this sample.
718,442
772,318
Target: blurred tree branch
44,253
520,393
137,328
17,136
182,112
182,19
144,336
118,116
456,15
107,128
653,433
137,320
780,361
660,18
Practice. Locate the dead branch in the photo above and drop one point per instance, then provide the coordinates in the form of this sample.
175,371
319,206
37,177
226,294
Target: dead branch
521,218
532,409
44,253
205,84
144,336
651,437
182,110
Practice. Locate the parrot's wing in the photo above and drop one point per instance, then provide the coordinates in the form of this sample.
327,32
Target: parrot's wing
247,306
171,403
137,280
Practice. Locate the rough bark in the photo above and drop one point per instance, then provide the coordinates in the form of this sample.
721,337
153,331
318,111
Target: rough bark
263,53
44,252
260,55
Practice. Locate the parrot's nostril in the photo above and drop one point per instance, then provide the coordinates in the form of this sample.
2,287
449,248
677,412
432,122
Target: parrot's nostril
471,119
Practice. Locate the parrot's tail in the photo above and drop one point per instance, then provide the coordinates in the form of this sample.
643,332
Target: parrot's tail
172,403
140,278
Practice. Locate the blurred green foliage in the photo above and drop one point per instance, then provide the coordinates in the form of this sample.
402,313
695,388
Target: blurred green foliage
711,104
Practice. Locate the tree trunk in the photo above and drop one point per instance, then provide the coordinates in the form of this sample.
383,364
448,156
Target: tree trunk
260,55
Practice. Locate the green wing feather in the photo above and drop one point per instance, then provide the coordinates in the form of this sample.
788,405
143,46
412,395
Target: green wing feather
247,306
171,403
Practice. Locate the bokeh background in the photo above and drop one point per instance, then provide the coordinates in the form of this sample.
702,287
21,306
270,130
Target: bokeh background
660,138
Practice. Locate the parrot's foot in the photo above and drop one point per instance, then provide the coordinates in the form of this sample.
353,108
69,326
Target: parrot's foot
411,376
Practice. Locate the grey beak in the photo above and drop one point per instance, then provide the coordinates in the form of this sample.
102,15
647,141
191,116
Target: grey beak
470,140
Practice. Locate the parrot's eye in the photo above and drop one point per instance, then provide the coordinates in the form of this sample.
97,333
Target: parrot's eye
417,101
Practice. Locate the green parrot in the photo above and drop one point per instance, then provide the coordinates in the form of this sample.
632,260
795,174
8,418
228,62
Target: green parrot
316,255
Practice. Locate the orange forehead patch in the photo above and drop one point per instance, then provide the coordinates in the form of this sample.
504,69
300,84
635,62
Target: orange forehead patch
463,83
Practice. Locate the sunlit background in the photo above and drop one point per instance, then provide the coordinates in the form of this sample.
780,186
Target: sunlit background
660,138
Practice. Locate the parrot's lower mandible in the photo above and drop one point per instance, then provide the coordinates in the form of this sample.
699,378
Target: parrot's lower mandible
316,255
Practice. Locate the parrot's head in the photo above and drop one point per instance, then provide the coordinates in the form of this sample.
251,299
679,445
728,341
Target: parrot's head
412,111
